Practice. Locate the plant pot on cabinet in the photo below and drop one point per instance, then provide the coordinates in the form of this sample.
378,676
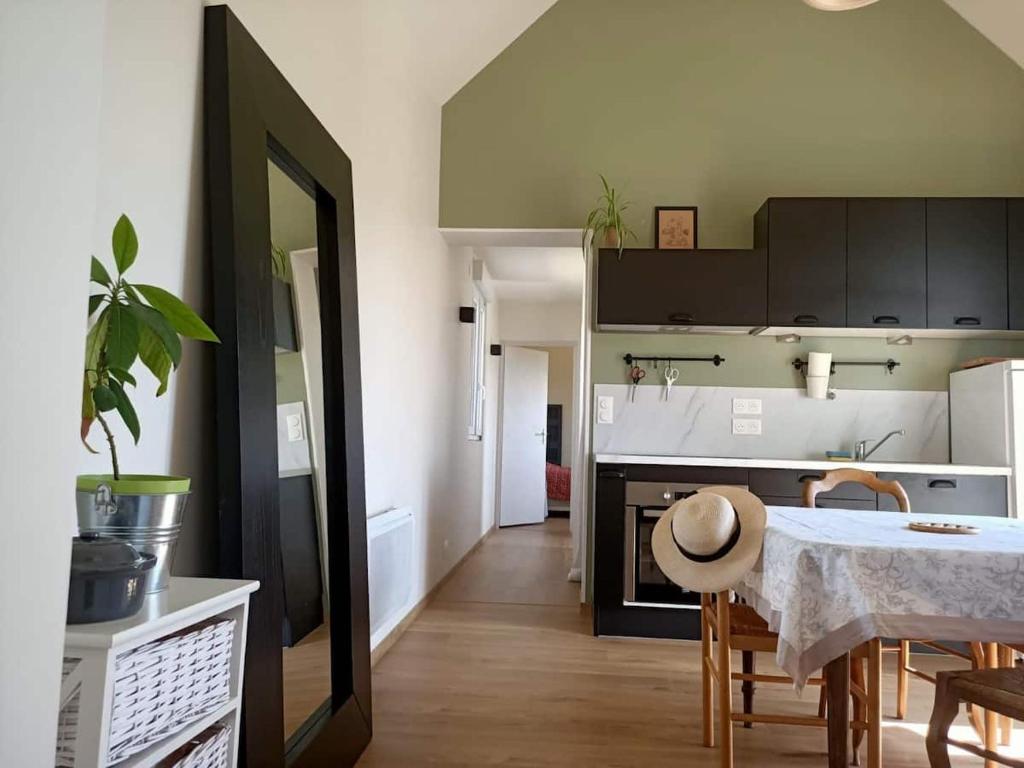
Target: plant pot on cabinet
145,510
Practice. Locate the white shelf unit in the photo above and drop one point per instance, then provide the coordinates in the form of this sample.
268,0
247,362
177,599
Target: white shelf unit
187,601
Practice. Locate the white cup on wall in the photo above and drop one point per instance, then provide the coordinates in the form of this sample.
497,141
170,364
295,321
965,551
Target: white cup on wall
817,387
819,364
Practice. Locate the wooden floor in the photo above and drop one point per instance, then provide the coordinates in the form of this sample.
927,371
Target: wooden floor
306,676
502,669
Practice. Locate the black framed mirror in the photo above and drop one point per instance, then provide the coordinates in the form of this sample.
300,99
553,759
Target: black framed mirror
289,414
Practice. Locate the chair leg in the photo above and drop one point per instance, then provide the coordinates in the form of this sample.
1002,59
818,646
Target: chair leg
859,710
749,667
991,717
823,700
944,712
902,679
875,703
707,689
724,681
1005,723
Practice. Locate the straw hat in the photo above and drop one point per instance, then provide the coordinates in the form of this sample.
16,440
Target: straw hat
708,542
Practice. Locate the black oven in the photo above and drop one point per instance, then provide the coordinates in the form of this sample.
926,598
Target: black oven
643,582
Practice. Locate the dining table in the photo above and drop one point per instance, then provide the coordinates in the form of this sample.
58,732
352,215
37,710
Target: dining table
830,580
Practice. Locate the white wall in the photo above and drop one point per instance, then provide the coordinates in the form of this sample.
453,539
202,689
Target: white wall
363,69
49,105
526,322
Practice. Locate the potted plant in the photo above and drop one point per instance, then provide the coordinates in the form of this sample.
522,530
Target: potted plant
606,222
132,322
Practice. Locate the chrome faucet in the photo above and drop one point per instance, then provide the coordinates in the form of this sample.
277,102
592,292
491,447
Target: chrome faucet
860,452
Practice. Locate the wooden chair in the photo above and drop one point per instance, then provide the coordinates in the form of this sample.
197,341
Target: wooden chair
994,690
977,655
737,627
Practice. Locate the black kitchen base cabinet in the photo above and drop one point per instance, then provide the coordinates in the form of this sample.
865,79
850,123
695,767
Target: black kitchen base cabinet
949,494
805,239
967,263
674,288
1015,254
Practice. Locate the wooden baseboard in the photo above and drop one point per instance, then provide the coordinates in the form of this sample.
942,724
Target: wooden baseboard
391,638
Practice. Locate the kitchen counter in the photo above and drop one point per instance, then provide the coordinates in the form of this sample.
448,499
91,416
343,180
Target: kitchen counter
809,464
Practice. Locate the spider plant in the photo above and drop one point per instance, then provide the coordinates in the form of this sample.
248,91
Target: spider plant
606,221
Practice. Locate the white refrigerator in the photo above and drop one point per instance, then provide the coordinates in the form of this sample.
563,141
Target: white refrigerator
986,421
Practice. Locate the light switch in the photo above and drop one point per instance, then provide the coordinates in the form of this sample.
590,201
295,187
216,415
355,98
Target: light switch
605,409
296,432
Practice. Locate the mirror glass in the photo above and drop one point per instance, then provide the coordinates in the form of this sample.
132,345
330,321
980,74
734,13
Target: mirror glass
300,449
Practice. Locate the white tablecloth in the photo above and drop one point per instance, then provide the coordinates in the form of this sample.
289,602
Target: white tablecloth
830,579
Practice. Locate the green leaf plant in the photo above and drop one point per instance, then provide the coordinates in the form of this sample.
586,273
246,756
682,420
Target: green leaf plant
130,322
606,221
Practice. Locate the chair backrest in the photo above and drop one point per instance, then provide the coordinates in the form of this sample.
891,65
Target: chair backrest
838,476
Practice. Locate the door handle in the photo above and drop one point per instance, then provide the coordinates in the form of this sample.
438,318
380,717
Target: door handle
805,319
885,320
967,321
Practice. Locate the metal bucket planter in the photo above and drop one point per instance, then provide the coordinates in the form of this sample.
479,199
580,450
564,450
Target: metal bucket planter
145,510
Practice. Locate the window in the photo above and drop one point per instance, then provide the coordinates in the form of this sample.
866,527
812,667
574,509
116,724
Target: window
477,360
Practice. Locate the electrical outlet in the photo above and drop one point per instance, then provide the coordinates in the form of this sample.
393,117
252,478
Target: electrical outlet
746,426
605,409
746,406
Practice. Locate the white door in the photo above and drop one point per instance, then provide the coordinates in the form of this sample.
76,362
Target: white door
524,418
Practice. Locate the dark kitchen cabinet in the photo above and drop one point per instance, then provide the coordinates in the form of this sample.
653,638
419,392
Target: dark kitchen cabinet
788,484
967,266
886,257
1015,254
949,494
650,287
805,239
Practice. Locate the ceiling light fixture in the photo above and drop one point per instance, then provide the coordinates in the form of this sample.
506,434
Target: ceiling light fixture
838,5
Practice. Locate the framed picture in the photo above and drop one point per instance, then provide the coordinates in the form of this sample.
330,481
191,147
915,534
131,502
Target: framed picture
675,227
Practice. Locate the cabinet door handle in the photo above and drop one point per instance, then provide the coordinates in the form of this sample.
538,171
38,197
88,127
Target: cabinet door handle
967,321
615,473
885,320
942,483
805,319
681,317
805,478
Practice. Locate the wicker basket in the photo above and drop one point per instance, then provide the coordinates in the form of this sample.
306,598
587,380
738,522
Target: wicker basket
159,688
163,686
207,750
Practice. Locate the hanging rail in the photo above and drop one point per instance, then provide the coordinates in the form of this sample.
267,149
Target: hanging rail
632,359
889,365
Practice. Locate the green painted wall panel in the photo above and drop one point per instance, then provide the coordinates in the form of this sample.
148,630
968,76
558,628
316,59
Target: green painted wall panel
721,104
764,362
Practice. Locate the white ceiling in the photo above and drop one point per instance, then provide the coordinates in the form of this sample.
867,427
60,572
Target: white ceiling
534,274
1001,21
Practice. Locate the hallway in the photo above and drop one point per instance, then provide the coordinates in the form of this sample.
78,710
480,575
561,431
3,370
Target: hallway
502,669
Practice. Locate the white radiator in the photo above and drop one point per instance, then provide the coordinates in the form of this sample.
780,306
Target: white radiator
390,540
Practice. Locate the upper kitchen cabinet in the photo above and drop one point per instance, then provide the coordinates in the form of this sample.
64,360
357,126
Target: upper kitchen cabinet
967,266
805,239
673,288
1015,252
886,263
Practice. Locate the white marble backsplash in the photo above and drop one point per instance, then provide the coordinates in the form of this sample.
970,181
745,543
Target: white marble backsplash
697,421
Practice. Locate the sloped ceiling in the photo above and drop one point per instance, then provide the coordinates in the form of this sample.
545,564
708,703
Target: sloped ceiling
460,37
1001,21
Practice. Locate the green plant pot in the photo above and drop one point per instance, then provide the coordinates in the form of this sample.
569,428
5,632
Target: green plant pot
145,510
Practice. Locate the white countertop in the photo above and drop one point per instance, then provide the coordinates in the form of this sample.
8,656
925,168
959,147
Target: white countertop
870,466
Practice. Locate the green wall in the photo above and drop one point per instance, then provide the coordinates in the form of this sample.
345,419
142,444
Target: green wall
764,362
720,104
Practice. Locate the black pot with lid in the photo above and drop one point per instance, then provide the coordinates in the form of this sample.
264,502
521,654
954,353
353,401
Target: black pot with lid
108,579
